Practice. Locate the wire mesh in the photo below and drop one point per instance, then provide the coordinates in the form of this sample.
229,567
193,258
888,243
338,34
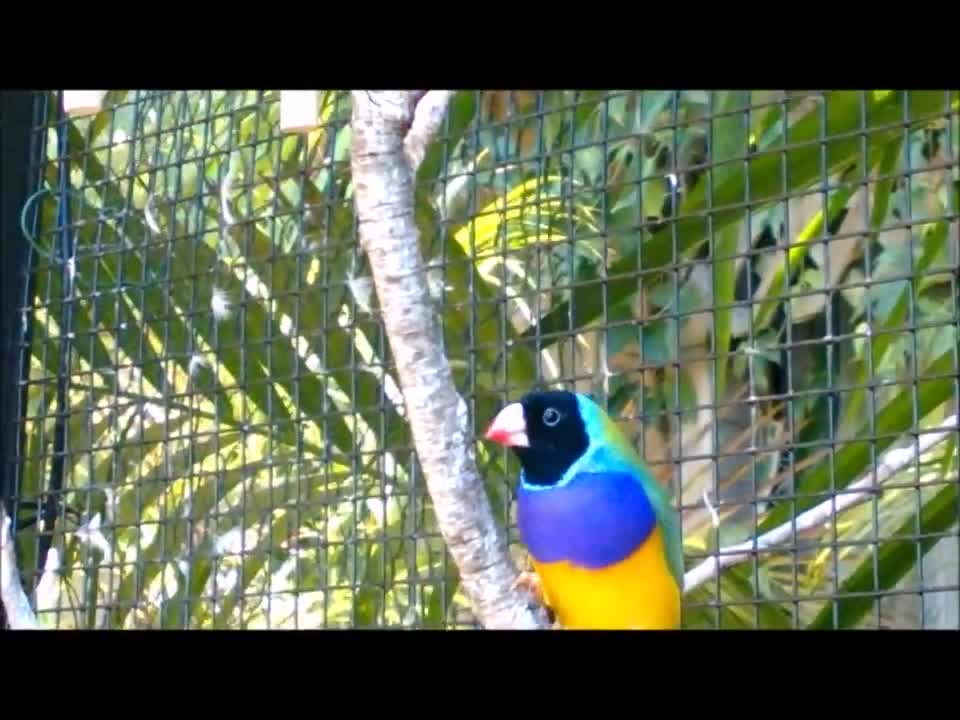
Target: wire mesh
760,286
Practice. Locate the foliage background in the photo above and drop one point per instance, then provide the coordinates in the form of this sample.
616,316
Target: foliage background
236,453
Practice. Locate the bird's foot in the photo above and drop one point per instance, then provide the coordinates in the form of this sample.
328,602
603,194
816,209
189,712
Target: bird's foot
530,582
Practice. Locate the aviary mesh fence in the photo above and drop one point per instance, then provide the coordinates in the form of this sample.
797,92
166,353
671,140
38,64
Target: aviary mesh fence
762,287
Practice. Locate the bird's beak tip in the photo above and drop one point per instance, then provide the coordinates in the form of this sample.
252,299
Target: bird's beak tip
508,427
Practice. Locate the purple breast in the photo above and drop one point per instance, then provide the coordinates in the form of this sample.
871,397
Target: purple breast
596,520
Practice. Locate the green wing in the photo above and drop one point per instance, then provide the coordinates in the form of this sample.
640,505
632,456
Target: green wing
666,513
669,519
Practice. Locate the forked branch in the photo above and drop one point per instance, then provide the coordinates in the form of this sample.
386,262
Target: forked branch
391,131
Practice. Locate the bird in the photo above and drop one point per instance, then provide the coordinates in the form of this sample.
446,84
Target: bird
603,537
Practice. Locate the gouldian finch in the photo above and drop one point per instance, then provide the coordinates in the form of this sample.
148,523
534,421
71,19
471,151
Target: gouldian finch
604,539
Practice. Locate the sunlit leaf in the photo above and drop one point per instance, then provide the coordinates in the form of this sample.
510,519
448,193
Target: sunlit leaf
804,163
894,559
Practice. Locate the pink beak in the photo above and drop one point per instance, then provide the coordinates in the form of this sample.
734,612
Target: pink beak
509,428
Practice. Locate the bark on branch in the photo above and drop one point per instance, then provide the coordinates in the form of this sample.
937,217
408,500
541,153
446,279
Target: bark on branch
384,159
892,462
427,117
16,604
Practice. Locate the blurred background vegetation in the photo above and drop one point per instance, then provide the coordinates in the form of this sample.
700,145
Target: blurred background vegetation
235,452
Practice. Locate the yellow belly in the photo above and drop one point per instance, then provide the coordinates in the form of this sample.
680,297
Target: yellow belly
637,594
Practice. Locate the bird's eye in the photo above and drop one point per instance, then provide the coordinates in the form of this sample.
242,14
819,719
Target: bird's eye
551,417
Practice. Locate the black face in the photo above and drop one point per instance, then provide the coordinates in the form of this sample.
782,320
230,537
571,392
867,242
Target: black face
556,434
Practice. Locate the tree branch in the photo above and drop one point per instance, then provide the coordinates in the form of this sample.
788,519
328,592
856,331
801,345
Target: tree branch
383,166
20,615
427,117
892,462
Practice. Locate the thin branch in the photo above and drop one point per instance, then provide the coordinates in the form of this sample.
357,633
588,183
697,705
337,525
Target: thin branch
20,615
892,462
427,117
383,168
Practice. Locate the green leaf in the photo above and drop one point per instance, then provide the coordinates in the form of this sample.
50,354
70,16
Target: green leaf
764,309
689,298
629,344
649,107
894,560
118,298
773,616
891,312
738,605
724,284
770,116
730,140
442,593
806,162
881,204
892,307
137,503
461,111
851,460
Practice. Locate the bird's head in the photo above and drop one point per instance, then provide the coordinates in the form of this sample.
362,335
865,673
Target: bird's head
546,431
